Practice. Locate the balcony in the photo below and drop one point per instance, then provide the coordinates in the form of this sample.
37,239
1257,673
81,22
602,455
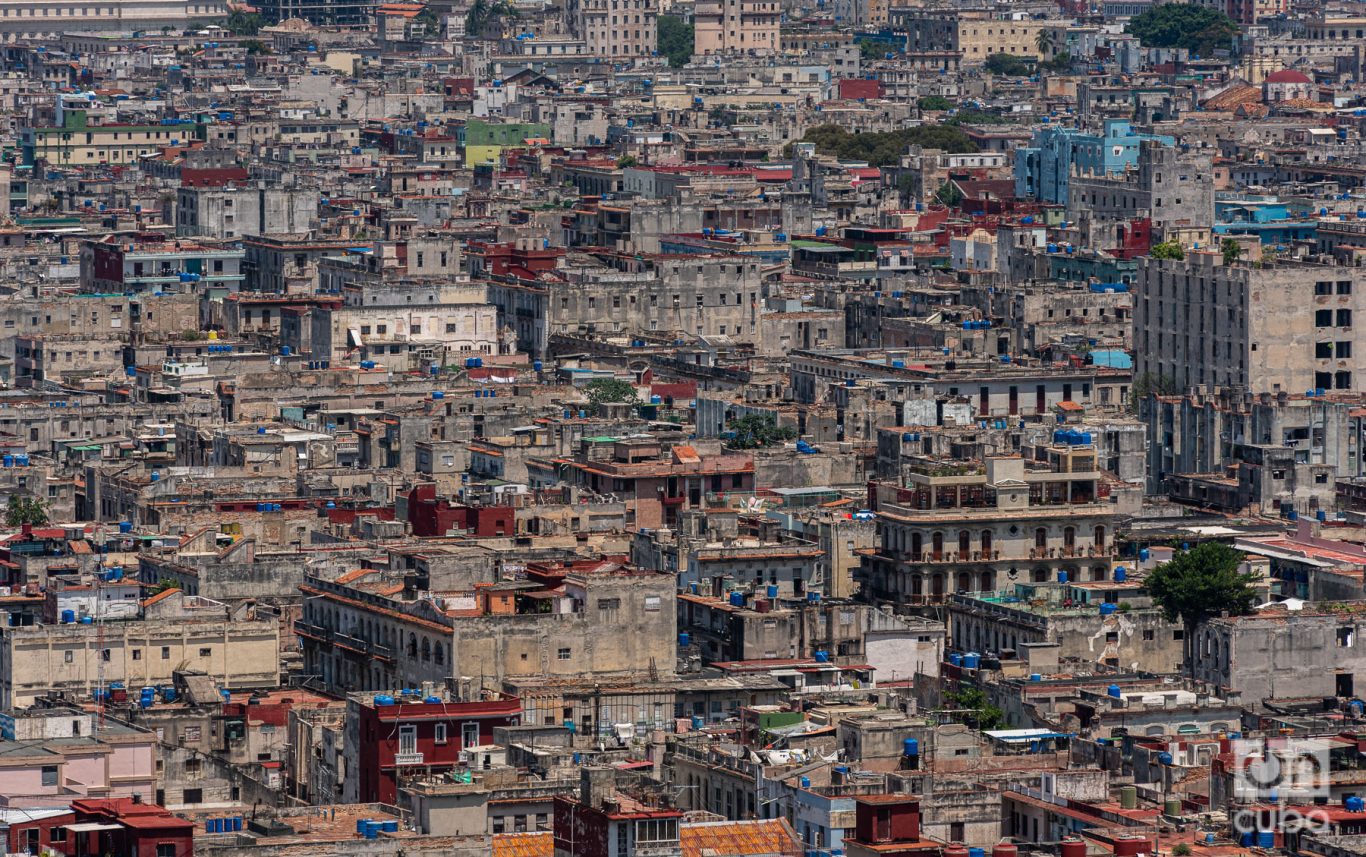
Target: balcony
403,759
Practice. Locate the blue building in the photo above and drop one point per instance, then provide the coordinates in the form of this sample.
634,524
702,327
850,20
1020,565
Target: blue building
1043,170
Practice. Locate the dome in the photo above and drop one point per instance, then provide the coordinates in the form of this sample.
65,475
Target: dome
1286,75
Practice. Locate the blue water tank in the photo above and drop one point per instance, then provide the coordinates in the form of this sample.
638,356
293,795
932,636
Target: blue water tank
1266,839
1035,677
390,825
438,394
772,590
68,617
1355,804
1114,691
168,694
86,620
384,699
569,724
698,722
804,782
684,638
955,659
1121,574
1143,555
536,365
433,700
910,747
1108,609
1164,758
1062,577
822,656
971,660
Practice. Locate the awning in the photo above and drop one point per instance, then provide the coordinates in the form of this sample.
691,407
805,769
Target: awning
91,827
353,336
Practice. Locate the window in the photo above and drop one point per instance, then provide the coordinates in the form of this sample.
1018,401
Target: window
1323,350
1345,637
652,603
206,652
439,733
1149,634
1323,318
562,654
105,654
194,768
137,654
407,739
68,656
49,775
1344,318
193,796
191,733
1344,287
166,849
165,653
609,603
1343,350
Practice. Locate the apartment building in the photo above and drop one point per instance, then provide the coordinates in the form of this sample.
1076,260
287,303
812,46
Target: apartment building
78,142
973,34
965,526
238,650
1281,326
736,27
615,28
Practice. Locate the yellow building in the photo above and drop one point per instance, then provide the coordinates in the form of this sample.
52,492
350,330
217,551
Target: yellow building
974,35
77,143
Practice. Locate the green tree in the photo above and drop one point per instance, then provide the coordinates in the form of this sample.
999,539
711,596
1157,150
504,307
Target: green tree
482,13
1199,29
753,431
934,102
1150,384
884,148
871,50
676,40
25,510
1168,250
604,390
949,194
255,47
1232,250
627,161
1181,849
1045,41
1061,61
427,24
1200,583
980,713
241,23
1008,65
165,584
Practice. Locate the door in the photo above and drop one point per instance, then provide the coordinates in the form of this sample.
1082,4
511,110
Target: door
469,735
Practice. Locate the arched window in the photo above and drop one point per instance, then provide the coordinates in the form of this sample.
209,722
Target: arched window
964,543
1099,536
986,543
1041,537
426,649
937,545
1069,537
917,546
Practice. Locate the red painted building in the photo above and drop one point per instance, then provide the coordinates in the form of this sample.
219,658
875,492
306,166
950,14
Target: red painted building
123,827
888,826
35,831
604,822
853,89
411,735
433,517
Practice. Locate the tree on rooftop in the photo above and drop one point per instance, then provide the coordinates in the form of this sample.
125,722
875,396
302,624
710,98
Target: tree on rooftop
1044,41
1231,249
626,161
1199,29
609,390
979,713
753,431
934,102
25,510
1198,584
1168,250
